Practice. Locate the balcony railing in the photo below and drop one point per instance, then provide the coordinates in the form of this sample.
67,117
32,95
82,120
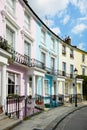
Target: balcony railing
63,73
27,61
51,71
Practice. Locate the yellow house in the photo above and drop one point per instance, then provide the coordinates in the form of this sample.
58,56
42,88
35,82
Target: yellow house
68,61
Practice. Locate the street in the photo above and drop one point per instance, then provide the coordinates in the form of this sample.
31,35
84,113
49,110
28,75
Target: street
75,121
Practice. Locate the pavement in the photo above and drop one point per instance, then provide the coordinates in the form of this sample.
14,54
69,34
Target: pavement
48,119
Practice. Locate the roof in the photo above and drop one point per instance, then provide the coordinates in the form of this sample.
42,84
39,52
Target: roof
75,47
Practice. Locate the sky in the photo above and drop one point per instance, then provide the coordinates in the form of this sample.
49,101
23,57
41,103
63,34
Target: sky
64,18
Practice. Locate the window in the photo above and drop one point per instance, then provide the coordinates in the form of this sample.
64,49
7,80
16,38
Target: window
43,57
52,63
52,44
46,87
43,37
63,49
63,68
27,22
27,48
11,5
66,88
83,71
13,83
71,53
83,58
71,71
10,36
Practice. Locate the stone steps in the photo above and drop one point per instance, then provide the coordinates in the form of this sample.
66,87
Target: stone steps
8,123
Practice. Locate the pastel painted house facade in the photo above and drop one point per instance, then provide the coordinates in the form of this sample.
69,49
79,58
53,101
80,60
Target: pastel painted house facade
37,67
19,32
68,61
47,53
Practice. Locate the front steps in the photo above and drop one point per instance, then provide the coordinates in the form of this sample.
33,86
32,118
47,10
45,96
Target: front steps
7,123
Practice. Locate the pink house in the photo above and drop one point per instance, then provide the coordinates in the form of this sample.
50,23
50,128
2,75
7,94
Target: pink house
17,27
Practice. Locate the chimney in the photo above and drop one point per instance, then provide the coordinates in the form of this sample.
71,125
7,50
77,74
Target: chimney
67,40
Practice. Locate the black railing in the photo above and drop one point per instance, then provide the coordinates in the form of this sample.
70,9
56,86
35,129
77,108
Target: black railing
27,61
63,73
51,71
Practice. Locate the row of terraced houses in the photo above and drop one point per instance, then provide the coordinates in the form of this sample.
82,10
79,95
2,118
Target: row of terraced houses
35,62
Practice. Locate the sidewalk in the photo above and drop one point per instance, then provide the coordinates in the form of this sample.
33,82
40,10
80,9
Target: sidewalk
49,119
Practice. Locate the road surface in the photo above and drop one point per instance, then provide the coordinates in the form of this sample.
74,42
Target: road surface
75,121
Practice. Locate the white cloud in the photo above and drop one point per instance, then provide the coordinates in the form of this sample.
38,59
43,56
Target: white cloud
49,22
81,46
82,19
78,29
56,30
66,19
48,7
81,4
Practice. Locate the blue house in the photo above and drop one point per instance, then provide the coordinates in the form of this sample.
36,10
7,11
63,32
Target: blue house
47,54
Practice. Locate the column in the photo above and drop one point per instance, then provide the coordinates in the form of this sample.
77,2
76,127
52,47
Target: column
27,86
33,86
43,89
81,91
63,87
56,90
3,86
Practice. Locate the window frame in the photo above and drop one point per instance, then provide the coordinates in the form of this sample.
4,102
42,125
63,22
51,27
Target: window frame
12,9
71,53
13,37
16,83
43,37
83,57
27,25
52,44
63,49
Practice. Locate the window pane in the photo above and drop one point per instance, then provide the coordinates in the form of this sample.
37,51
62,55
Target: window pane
43,57
27,21
52,63
52,44
13,83
9,36
46,87
43,37
27,48
11,5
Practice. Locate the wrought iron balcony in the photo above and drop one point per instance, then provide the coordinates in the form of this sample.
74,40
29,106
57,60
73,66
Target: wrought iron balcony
63,73
51,71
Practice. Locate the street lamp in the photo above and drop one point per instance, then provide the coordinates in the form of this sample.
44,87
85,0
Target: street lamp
75,74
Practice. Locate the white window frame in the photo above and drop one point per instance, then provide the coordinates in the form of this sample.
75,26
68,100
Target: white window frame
83,57
52,44
53,63
13,38
46,83
63,49
83,71
27,23
29,48
16,84
43,37
43,61
11,8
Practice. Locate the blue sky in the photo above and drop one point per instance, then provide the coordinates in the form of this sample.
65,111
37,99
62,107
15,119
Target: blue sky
65,18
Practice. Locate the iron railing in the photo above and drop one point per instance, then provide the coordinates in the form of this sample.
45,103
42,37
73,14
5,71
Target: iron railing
27,61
